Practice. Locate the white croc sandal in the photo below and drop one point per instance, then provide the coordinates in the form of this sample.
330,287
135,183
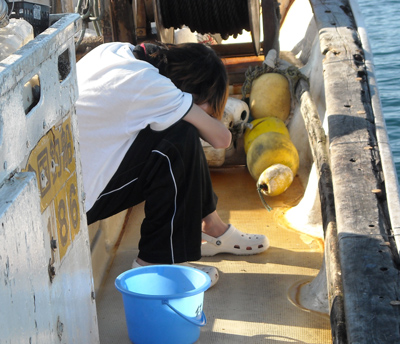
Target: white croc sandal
235,242
209,270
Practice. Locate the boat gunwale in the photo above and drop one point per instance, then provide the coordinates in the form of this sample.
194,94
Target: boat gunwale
388,166
363,287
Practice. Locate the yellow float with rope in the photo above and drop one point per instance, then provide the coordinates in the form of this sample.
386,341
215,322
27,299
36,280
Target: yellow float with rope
270,96
273,162
263,125
272,159
275,180
269,149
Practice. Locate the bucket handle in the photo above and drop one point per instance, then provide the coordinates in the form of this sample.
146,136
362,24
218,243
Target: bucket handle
198,322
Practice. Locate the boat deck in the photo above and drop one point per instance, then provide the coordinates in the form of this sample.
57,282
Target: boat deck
255,300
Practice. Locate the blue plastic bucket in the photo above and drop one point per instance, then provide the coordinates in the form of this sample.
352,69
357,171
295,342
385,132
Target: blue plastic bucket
163,303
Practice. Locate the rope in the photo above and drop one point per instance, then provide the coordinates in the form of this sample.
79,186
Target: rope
226,17
263,201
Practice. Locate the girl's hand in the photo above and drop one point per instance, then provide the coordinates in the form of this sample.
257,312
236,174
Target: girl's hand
211,130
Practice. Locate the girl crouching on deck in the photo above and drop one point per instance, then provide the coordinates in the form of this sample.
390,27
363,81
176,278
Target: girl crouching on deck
141,113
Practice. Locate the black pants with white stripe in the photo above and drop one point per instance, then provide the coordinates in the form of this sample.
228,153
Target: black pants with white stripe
168,170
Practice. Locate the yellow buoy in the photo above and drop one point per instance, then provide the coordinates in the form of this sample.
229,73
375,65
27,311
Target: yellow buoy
269,149
270,96
275,180
261,126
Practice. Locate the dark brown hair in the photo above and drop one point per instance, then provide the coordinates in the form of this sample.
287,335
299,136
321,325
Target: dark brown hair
194,68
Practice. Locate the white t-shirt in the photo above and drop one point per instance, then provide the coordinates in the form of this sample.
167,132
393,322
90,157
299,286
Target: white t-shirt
119,96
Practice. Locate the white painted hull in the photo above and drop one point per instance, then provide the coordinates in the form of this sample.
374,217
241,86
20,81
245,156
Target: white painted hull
47,293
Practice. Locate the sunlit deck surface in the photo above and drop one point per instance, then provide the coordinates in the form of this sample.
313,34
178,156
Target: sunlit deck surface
255,298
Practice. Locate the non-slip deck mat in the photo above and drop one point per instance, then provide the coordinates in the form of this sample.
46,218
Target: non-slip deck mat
255,298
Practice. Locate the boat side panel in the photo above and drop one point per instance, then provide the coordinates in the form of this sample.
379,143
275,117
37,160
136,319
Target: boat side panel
369,273
45,243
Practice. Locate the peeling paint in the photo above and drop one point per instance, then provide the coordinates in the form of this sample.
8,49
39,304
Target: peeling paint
43,179
60,329
7,271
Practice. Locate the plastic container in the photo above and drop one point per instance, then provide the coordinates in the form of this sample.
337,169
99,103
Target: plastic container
34,12
163,303
17,33
236,115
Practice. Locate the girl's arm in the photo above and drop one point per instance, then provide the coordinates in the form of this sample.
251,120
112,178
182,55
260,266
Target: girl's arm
211,130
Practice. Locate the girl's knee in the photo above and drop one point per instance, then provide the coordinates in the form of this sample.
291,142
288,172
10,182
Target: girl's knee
185,133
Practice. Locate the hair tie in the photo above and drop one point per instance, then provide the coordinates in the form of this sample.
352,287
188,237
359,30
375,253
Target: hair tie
152,53
144,48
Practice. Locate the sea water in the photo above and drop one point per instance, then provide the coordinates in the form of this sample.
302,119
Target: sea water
382,21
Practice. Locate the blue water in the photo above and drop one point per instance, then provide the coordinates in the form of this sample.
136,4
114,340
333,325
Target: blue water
382,20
